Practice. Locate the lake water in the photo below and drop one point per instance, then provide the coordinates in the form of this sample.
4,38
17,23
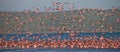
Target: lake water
60,50
114,35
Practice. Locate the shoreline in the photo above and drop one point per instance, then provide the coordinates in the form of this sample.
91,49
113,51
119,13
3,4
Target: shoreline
63,32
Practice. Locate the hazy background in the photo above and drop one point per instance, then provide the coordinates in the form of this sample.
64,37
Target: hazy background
20,5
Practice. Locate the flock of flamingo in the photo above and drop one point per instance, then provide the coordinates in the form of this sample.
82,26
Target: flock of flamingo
67,24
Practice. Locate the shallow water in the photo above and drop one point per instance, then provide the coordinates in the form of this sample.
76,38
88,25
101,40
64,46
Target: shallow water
114,35
60,50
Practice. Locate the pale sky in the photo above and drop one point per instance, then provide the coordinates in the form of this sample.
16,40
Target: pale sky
20,5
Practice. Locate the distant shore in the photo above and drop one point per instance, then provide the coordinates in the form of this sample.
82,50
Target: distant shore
83,20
